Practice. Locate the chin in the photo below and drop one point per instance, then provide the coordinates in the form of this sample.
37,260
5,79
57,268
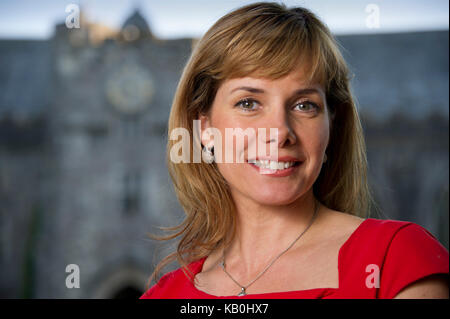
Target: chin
276,198
274,201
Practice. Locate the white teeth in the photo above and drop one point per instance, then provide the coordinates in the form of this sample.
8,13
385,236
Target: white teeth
273,165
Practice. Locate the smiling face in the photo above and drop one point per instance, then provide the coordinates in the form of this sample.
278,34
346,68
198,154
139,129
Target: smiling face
298,110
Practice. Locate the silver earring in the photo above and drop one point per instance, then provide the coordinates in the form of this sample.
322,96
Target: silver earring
208,154
325,158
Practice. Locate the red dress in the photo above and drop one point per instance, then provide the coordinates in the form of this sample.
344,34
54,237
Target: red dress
399,252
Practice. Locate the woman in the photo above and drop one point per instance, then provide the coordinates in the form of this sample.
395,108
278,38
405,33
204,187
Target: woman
290,225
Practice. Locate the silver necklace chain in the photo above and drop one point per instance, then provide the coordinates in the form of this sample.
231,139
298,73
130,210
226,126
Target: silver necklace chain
243,291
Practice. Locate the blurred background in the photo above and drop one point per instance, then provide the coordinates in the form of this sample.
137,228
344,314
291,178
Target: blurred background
83,114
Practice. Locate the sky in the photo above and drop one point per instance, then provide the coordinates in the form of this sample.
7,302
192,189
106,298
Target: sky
35,19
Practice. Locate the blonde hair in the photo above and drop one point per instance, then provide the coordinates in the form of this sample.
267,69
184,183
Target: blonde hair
265,40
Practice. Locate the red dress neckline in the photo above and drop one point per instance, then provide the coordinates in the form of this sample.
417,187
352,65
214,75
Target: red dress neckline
197,266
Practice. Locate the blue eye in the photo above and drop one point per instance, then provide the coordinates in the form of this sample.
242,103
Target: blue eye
306,106
247,105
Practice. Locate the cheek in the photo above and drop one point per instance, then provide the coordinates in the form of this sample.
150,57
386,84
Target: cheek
234,140
316,133
323,133
314,142
324,137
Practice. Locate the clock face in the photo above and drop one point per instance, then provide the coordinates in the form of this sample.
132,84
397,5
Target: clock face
130,88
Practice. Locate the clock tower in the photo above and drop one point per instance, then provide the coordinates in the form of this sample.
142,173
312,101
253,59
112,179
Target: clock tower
129,88
108,125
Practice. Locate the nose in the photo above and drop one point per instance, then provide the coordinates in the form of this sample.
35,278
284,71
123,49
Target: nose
279,120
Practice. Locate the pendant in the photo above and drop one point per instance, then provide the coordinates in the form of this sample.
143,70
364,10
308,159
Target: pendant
242,293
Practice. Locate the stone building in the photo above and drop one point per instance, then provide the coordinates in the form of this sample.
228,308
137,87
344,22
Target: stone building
92,155
82,149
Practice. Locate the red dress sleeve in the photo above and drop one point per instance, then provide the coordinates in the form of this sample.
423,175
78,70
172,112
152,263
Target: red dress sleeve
174,285
150,293
164,287
413,253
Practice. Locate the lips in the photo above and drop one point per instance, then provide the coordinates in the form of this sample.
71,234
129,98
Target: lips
263,170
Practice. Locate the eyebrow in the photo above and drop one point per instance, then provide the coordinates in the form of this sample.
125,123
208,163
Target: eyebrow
308,90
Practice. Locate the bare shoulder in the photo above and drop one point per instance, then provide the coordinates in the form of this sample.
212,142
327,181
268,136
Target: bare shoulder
209,266
338,223
209,278
431,287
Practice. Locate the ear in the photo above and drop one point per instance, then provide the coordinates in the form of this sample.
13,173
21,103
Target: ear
204,124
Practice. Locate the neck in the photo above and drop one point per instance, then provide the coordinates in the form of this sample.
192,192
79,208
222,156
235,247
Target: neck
258,225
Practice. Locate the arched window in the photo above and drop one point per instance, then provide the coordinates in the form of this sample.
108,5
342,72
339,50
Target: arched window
127,292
